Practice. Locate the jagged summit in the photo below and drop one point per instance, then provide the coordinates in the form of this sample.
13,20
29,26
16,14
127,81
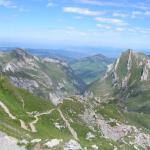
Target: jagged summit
115,115
20,53
130,71
45,77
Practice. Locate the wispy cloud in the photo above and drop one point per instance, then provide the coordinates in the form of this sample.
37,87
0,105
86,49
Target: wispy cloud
119,29
132,14
7,4
102,26
50,3
145,31
147,13
119,14
100,3
11,4
82,11
113,21
136,14
123,4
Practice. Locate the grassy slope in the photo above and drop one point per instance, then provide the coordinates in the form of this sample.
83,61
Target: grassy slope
136,97
11,97
72,109
90,68
46,129
57,73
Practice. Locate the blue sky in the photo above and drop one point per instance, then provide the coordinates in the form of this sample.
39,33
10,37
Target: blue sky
56,23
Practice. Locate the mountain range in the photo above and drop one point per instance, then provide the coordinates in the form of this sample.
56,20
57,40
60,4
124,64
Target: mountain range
93,103
91,68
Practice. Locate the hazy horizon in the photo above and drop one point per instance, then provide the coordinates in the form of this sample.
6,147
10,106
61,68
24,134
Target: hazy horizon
92,23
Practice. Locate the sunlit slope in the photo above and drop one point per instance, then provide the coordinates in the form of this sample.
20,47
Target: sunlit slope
91,68
127,81
45,77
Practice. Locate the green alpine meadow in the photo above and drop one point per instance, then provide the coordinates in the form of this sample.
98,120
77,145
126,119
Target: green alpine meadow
45,104
74,75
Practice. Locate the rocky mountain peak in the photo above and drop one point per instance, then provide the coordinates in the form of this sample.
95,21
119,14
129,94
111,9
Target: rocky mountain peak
20,53
130,68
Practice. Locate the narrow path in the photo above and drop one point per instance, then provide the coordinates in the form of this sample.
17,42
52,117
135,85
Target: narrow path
32,124
22,100
7,111
23,125
72,131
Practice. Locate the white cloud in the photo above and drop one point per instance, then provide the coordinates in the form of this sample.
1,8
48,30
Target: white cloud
111,21
119,14
100,3
50,3
82,11
136,14
124,4
107,27
7,4
78,17
119,29
132,14
141,6
147,13
145,31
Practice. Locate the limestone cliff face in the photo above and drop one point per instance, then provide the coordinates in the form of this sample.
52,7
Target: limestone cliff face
45,77
130,68
129,74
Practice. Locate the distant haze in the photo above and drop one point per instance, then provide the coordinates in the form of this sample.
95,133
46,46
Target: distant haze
64,23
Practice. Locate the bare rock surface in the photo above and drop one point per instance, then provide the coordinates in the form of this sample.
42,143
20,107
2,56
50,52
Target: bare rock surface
72,145
8,143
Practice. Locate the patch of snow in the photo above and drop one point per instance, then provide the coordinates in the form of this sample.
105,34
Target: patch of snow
52,143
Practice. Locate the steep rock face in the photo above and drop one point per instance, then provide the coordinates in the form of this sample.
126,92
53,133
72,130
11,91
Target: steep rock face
76,123
130,71
131,76
49,78
132,67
